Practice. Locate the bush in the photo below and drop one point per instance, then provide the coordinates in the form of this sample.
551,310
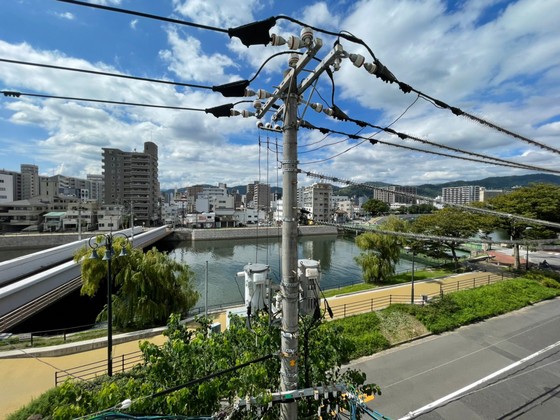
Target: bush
364,332
468,306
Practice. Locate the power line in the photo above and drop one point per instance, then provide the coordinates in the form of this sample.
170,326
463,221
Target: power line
306,124
433,200
217,111
145,15
103,73
338,114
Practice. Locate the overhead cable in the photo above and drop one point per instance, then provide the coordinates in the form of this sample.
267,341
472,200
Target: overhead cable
434,200
403,136
218,111
306,124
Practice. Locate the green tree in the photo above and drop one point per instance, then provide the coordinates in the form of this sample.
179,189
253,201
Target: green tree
537,201
149,286
449,222
376,207
381,252
191,373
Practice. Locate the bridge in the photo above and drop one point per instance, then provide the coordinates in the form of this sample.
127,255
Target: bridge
33,282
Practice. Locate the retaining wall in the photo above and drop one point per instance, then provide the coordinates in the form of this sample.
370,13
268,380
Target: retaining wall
246,233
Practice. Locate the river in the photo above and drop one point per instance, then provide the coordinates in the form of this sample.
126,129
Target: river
225,259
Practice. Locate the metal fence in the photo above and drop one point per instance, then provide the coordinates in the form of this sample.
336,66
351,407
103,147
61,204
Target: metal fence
377,303
125,362
122,363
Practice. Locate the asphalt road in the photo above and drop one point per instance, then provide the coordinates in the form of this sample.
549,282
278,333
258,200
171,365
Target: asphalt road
503,368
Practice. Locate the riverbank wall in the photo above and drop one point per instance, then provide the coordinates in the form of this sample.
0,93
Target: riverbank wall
245,233
49,240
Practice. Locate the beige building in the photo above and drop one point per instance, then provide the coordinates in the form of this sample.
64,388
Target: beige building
131,179
316,199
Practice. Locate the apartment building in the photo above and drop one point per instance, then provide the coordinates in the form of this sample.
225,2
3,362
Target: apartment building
131,179
461,195
316,199
258,196
395,194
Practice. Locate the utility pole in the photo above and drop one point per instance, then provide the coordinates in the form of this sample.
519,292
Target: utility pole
290,285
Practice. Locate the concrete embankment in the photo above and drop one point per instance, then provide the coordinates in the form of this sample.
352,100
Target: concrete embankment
245,233
48,240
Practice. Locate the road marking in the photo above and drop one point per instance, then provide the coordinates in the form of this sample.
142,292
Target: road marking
451,396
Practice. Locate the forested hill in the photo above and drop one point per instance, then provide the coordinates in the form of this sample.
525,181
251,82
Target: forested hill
433,190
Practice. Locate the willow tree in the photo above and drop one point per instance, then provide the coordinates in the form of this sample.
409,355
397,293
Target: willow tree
381,252
148,287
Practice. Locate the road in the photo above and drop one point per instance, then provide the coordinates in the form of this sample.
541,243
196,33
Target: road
478,371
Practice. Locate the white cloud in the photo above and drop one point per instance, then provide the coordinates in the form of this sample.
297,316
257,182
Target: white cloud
133,23
187,60
66,15
223,14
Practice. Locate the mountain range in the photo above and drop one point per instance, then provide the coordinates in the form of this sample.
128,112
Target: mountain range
433,190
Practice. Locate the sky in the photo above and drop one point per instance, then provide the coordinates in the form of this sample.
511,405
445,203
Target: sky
498,60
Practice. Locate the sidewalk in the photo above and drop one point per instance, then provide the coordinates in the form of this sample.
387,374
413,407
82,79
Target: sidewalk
25,378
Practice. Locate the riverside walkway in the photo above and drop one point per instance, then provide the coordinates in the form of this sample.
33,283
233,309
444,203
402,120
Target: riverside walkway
25,378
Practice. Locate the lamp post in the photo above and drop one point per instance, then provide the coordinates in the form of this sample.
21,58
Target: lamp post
109,252
411,250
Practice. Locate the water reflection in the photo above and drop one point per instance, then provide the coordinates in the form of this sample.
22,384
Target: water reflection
226,258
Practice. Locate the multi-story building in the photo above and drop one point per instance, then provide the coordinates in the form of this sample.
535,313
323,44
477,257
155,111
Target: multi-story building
6,188
316,199
29,181
390,194
461,195
131,179
485,194
258,196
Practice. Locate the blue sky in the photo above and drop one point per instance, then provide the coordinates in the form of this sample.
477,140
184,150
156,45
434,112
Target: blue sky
496,59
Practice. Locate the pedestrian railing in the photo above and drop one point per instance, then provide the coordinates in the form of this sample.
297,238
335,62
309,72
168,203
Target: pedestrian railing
377,303
125,362
121,363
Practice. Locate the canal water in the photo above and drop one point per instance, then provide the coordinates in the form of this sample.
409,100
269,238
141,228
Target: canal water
225,259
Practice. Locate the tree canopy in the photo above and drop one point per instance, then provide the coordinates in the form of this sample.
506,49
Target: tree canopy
195,373
376,207
449,222
149,286
537,201
381,252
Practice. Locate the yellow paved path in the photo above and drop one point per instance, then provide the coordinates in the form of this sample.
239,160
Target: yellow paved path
22,379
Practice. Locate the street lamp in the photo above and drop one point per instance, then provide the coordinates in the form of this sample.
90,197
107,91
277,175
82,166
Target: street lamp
109,252
411,250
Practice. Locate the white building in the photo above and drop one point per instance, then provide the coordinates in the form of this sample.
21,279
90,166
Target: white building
316,199
6,188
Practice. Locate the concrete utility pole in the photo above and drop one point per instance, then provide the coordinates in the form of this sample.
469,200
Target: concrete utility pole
290,283
290,91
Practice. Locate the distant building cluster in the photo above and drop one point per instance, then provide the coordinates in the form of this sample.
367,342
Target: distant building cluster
128,191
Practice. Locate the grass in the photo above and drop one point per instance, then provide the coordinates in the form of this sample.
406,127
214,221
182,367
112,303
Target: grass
397,279
39,341
376,331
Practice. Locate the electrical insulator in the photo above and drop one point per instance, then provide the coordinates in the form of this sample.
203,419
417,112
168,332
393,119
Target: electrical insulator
317,106
357,59
257,104
370,67
294,43
263,94
249,92
277,40
306,36
292,62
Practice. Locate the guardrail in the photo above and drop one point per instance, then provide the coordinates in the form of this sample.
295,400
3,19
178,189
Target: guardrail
122,363
372,304
127,361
